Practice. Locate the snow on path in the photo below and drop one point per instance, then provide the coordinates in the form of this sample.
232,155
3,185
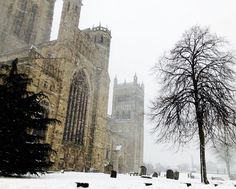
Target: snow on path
103,181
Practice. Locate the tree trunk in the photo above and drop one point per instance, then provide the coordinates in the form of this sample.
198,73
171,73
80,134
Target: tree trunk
202,155
228,169
227,161
199,116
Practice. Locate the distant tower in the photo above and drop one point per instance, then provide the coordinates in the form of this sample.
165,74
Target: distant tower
128,119
69,19
25,22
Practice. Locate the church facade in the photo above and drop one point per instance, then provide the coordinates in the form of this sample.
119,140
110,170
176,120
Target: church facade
73,72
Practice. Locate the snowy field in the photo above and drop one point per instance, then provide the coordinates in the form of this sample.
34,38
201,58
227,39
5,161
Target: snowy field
68,180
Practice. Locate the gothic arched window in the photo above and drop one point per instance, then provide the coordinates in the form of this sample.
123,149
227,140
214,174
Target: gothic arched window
76,110
42,132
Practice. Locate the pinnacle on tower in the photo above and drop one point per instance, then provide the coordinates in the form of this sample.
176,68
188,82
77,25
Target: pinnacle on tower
135,78
142,85
115,81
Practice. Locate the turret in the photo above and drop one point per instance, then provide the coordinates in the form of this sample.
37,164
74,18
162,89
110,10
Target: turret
69,19
101,35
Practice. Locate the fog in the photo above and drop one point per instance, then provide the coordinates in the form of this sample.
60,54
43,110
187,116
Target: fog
141,32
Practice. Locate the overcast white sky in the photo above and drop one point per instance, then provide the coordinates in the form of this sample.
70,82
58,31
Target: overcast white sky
142,30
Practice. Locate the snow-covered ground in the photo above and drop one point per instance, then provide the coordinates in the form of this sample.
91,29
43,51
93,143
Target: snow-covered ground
68,180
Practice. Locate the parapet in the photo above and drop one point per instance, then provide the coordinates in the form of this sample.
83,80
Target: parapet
129,84
99,35
101,28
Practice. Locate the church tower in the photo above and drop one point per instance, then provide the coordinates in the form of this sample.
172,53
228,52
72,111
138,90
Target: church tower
25,22
69,19
128,120
102,36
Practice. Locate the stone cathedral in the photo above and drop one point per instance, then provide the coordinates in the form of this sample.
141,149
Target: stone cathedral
73,72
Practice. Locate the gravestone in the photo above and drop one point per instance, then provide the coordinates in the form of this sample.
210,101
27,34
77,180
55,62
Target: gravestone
170,174
176,175
83,185
146,176
155,174
143,171
188,184
113,174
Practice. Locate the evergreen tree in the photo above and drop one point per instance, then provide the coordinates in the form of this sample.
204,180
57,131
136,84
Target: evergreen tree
21,112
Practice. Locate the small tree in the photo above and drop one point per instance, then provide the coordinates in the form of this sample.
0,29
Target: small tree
197,97
225,152
21,112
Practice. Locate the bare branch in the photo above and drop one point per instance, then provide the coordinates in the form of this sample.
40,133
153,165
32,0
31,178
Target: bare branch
197,94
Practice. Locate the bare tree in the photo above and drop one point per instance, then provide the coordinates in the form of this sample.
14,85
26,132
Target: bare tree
197,95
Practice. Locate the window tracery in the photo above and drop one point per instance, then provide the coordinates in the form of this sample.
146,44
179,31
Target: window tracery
77,110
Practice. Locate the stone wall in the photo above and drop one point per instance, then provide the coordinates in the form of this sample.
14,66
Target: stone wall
52,70
24,23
